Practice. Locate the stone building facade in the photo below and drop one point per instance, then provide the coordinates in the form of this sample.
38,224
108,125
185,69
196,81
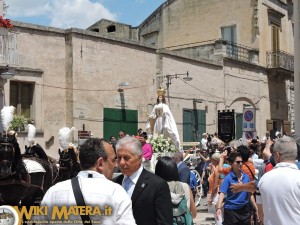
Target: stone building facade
254,32
75,77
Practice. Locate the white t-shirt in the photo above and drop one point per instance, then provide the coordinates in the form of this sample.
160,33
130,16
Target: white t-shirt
203,143
280,192
96,191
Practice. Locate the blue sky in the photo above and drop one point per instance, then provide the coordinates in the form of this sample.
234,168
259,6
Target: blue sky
79,13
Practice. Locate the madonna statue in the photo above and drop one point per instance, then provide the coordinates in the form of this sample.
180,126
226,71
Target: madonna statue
163,120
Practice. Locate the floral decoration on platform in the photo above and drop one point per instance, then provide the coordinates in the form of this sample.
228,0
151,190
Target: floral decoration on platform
5,23
161,144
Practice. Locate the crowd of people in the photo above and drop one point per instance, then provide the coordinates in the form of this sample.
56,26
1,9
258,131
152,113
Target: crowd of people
254,182
244,182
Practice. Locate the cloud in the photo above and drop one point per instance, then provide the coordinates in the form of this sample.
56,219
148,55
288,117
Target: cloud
61,13
28,8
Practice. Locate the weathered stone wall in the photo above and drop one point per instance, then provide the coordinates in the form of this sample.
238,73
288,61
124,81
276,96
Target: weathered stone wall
123,31
206,85
247,84
97,72
194,21
42,57
286,37
77,74
185,24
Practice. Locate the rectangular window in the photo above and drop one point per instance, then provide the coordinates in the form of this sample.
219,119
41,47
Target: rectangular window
275,45
21,97
229,34
275,37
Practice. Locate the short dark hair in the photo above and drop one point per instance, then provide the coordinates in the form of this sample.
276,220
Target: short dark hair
166,168
111,137
91,150
232,156
144,135
244,152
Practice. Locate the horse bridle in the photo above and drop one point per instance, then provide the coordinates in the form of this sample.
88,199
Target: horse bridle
69,160
5,144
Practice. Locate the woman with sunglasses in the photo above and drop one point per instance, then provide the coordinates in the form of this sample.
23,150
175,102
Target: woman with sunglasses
237,206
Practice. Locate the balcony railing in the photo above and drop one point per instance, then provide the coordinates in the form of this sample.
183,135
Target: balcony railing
280,59
236,51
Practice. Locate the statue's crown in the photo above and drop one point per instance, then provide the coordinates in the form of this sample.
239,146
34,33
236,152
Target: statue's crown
161,91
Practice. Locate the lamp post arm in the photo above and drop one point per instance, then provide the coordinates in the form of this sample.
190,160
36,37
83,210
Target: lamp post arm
169,81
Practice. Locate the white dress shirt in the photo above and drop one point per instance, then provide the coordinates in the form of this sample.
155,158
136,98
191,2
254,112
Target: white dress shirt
97,191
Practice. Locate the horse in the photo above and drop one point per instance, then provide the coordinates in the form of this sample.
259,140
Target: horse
15,188
11,165
42,171
69,166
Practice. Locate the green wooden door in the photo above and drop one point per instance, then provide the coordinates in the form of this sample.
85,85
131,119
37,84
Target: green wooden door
119,119
194,124
201,124
238,125
188,125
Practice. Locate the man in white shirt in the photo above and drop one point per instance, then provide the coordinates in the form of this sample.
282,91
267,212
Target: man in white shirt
98,161
204,141
279,187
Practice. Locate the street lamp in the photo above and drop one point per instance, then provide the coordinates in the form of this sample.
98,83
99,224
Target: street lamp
7,73
177,75
121,85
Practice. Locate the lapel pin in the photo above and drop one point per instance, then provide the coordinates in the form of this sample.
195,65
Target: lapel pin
143,185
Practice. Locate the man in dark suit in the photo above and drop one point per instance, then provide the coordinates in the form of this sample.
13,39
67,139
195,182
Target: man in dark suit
183,169
150,195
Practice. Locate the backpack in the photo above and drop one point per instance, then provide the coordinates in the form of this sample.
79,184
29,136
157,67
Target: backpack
181,213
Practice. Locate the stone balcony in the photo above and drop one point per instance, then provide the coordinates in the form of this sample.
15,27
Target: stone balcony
280,62
236,51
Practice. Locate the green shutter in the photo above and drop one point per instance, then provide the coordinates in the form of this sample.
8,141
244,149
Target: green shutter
238,125
119,119
188,125
194,124
202,124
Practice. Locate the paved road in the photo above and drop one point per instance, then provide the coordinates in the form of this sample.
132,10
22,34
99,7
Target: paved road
203,217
